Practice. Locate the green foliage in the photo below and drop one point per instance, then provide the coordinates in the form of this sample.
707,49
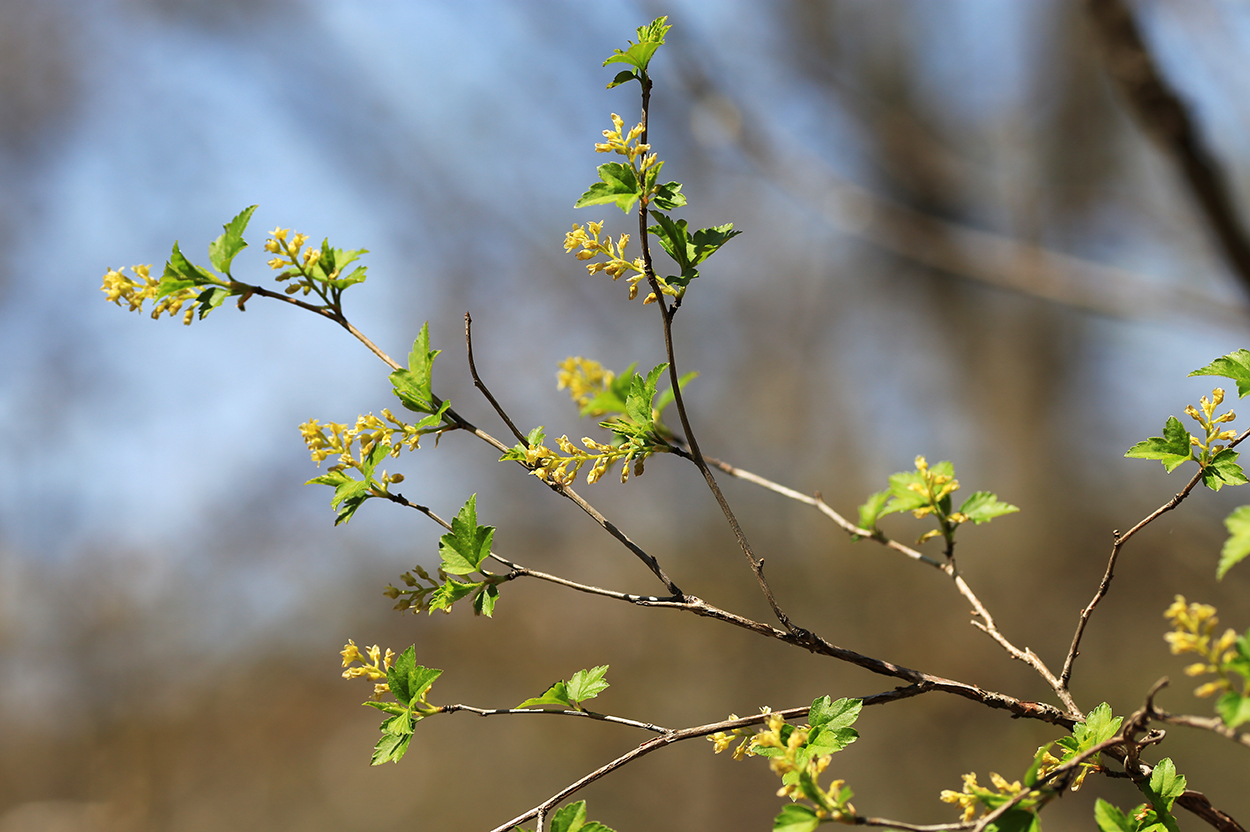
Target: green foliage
572,818
462,550
581,686
638,55
1238,544
689,250
1234,366
1171,449
1162,789
1099,726
926,492
350,493
408,682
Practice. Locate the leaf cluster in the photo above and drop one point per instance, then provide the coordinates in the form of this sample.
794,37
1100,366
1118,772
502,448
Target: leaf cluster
462,551
409,683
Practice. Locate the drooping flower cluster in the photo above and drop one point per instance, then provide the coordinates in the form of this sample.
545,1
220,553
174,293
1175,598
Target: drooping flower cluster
587,237
374,668
293,259
1211,425
584,378
1195,633
118,287
551,467
629,145
335,439
973,794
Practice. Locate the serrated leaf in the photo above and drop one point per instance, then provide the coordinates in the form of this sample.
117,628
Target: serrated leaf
982,507
484,601
1223,470
1238,544
638,404
334,478
650,38
1165,783
871,509
1234,366
796,818
668,196
222,250
557,694
181,273
210,299
386,707
467,544
1172,449
1110,819
390,749
618,187
413,385
399,724
587,684
1233,708
449,592
834,715
407,680
1099,725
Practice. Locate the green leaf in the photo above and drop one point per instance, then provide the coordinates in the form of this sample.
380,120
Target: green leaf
619,187
1171,449
222,250
1110,819
650,38
904,498
688,250
413,385
386,707
467,544
796,818
1099,726
668,196
982,507
330,264
484,601
638,405
623,77
572,818
1223,470
1016,820
390,749
211,298
1233,708
1234,366
408,680
1164,787
349,496
1238,544
666,398
181,273
587,684
557,694
450,592
871,510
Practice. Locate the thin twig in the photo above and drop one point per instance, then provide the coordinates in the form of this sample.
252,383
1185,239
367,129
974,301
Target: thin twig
632,723
477,381
516,570
1120,540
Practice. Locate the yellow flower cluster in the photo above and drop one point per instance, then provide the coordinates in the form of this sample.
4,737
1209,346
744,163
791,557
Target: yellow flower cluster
1195,633
293,257
117,287
1210,423
592,246
333,439
971,794
627,145
935,487
584,378
550,467
721,740
373,669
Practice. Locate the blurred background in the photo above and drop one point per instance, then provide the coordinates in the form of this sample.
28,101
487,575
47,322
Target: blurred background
957,242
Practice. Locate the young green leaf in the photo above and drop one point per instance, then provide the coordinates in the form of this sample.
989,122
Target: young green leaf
484,601
871,510
1110,819
1164,787
638,405
390,749
619,187
1234,366
1172,449
572,818
1238,544
1099,726
587,684
1233,708
796,818
467,544
557,694
982,507
413,385
222,250
688,250
409,681
650,38
1223,470
449,592
181,273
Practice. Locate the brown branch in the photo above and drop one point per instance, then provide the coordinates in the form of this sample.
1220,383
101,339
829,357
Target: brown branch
1120,540
1165,119
1206,723
477,382
617,720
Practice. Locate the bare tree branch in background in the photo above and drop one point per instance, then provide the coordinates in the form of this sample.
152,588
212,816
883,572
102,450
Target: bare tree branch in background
1165,118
